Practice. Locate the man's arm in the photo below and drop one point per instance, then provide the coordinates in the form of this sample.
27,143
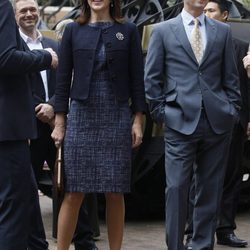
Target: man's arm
154,76
230,74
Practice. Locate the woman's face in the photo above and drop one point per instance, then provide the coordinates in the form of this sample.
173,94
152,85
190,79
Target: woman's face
99,5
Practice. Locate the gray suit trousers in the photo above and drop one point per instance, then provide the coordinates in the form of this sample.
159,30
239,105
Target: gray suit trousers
209,151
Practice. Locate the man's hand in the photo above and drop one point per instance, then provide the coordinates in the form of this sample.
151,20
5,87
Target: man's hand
54,61
44,112
246,62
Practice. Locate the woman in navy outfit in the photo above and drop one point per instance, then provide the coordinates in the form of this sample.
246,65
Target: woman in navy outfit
107,100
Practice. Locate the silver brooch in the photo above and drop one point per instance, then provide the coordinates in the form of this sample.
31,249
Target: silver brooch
120,36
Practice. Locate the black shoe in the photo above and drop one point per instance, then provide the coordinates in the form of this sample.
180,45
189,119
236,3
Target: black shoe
230,239
188,245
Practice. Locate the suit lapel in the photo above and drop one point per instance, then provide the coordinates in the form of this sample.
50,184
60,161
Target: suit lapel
181,36
211,31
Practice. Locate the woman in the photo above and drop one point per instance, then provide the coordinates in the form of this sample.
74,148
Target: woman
105,55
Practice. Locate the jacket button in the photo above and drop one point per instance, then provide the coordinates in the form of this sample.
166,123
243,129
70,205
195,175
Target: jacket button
109,45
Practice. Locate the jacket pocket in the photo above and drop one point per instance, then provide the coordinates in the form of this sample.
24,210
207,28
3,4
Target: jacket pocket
170,93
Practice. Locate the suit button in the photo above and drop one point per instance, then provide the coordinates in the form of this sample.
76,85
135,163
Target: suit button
200,73
108,45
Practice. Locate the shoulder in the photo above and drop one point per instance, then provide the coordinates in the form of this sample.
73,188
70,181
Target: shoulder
48,40
240,46
162,26
241,43
218,24
127,26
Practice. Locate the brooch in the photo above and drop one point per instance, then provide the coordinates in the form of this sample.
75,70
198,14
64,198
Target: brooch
120,36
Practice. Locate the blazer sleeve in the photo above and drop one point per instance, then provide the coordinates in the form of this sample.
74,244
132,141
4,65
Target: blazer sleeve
136,70
12,57
64,72
230,74
154,76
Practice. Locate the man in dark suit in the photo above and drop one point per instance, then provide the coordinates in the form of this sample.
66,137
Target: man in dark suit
192,86
42,148
219,10
17,125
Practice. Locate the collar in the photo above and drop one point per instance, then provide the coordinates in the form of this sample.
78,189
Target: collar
188,18
28,39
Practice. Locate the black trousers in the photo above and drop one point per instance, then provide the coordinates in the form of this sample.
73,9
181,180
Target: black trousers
18,195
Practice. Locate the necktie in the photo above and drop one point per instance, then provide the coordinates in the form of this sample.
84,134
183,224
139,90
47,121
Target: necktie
196,41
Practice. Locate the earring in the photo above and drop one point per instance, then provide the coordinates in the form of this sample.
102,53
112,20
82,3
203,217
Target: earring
112,4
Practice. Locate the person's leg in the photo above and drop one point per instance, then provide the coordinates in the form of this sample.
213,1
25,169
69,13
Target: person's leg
212,156
14,194
37,153
179,158
115,212
189,225
231,192
67,219
37,237
83,236
92,208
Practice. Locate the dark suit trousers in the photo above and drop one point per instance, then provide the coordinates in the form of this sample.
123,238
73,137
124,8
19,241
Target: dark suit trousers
231,188
15,194
232,182
210,152
37,237
43,149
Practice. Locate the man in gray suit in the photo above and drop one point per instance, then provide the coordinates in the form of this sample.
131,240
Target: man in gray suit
194,91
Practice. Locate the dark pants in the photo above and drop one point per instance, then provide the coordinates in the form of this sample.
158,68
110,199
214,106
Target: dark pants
232,182
209,151
37,237
231,187
42,149
16,189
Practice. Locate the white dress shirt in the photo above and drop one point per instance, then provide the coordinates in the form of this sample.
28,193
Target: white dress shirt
36,44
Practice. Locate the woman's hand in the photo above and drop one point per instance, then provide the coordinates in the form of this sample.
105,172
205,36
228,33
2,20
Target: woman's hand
137,130
59,130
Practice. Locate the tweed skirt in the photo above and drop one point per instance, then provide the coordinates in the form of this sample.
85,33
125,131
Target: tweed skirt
97,145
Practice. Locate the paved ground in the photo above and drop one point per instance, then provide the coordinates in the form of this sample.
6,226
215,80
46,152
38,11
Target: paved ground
142,235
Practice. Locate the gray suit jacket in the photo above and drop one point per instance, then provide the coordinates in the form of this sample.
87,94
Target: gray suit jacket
176,85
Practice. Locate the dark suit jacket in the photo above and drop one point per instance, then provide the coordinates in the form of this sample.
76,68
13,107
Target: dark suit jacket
241,49
124,58
17,121
37,83
38,90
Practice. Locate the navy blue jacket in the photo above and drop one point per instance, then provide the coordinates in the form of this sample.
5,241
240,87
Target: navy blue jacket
124,58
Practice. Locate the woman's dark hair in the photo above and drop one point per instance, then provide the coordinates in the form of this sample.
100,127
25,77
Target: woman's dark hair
114,10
